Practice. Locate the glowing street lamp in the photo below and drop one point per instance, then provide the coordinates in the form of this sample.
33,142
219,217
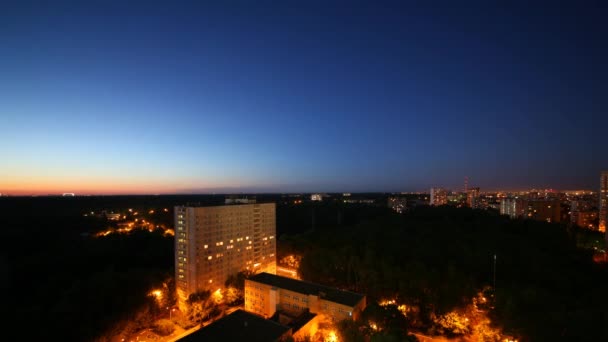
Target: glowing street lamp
170,312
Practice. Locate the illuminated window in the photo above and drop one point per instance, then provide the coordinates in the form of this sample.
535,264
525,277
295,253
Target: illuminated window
209,257
206,246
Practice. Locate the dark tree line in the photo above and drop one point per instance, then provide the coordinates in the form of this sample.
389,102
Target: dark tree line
436,259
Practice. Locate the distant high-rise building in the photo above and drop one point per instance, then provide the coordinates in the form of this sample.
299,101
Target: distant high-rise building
544,210
513,207
473,197
584,214
603,202
439,196
584,219
212,243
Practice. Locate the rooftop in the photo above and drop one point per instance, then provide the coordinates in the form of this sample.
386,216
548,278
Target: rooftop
328,293
239,326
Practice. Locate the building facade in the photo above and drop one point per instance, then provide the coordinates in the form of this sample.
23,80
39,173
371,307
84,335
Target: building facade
316,197
265,294
439,196
241,326
584,219
473,197
603,202
513,207
212,243
544,210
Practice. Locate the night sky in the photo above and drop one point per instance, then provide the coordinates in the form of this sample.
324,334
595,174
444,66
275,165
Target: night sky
289,96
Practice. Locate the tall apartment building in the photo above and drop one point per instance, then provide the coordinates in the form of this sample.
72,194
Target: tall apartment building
265,294
604,202
212,243
439,196
584,214
544,210
473,197
514,207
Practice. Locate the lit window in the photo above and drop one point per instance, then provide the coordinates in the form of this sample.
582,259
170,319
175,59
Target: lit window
209,257
206,246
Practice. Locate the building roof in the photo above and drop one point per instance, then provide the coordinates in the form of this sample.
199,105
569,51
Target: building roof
325,292
239,326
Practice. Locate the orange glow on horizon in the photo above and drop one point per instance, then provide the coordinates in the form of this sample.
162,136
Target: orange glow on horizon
41,186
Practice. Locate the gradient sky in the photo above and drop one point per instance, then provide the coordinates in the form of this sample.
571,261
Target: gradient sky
288,96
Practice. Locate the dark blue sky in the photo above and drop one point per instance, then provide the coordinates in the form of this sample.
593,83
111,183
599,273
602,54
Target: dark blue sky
152,97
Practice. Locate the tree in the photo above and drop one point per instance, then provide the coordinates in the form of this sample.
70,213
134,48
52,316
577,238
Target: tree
200,306
163,327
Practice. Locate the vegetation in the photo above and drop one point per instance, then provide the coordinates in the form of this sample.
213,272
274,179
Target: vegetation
432,260
164,327
436,259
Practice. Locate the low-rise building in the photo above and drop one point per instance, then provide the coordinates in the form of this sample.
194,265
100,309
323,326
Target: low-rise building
266,293
241,326
316,197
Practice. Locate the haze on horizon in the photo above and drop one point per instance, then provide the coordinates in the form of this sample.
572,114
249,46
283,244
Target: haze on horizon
141,98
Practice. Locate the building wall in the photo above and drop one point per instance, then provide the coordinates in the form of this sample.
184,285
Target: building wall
307,330
585,219
544,210
513,207
439,196
473,198
212,243
265,300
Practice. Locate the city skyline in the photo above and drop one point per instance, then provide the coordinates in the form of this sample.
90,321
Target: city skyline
113,98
